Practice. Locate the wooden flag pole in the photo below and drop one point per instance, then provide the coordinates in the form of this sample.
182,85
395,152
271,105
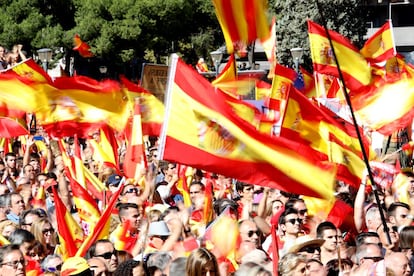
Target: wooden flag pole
348,101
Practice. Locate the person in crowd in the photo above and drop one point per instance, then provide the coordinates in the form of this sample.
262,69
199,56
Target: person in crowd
105,250
24,239
44,233
12,261
130,268
292,264
7,227
398,263
250,233
98,266
52,264
327,231
201,262
16,208
398,214
4,206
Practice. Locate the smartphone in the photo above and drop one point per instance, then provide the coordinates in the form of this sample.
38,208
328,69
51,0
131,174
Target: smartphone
38,138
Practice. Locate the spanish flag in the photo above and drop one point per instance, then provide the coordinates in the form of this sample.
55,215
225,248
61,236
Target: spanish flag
262,90
242,21
152,109
380,46
354,67
327,133
82,47
200,122
31,70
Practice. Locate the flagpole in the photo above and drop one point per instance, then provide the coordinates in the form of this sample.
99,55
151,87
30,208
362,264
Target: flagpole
348,101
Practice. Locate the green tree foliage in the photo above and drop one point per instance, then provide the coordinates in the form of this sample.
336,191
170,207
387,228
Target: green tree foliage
344,16
118,31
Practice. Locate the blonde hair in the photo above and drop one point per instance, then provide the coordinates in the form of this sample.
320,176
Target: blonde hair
37,231
6,223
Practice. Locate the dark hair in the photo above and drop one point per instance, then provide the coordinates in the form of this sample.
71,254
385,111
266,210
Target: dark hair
393,207
51,175
125,268
222,204
291,202
198,183
10,154
92,250
282,218
38,212
407,237
240,185
326,225
332,266
360,239
123,207
20,236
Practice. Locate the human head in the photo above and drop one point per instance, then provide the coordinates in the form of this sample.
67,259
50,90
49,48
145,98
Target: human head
24,239
98,266
177,266
249,232
130,192
130,212
12,261
393,232
245,190
4,206
76,266
314,267
10,160
197,194
368,252
407,238
201,262
52,263
105,250
300,205
290,223
29,216
367,237
399,214
223,204
308,247
327,230
398,263
29,172
130,267
158,263
158,233
372,219
4,189
17,205
333,266
7,227
292,264
43,231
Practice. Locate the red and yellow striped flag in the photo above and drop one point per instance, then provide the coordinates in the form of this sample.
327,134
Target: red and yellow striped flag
31,70
135,158
242,21
69,231
152,109
354,67
380,46
201,123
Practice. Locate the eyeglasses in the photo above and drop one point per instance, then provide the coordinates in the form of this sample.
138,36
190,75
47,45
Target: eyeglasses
48,230
251,233
53,269
292,221
303,212
164,238
108,255
15,264
132,190
310,249
375,259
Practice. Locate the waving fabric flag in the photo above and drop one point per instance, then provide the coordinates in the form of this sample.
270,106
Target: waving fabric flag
82,47
152,109
12,122
201,123
269,47
135,158
354,67
242,21
70,233
79,104
31,70
327,133
380,46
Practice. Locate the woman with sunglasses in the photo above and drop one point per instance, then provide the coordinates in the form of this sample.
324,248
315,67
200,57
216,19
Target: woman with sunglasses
43,231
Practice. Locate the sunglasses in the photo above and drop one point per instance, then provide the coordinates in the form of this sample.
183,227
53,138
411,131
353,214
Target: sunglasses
54,269
310,249
132,190
251,233
303,212
108,255
48,230
163,238
375,259
292,221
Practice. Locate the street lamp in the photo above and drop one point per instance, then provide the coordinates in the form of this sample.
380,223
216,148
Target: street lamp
297,54
216,56
45,55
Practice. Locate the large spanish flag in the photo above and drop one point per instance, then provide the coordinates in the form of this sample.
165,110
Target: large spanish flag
242,21
380,46
354,67
200,123
327,133
31,70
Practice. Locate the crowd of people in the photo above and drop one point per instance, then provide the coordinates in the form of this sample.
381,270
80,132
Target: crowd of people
9,58
218,226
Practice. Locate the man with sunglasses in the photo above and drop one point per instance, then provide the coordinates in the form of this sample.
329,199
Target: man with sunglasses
105,250
250,233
